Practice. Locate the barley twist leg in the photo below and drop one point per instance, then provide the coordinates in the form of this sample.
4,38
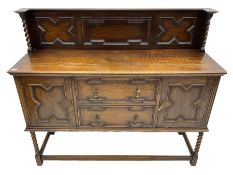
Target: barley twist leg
36,147
193,162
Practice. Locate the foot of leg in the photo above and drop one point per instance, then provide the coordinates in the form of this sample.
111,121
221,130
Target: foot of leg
39,161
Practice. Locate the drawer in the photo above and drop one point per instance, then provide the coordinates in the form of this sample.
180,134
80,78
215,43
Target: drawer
117,117
100,90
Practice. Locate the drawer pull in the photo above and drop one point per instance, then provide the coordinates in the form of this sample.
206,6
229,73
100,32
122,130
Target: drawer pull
95,92
97,122
138,97
138,93
135,122
95,98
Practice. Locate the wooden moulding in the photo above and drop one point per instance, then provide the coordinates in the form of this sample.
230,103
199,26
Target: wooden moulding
117,63
204,129
109,29
115,157
67,46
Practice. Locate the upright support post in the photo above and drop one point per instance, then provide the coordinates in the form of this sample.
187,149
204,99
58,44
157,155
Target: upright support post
39,161
193,162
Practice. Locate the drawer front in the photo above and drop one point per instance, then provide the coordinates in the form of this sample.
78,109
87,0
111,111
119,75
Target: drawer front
49,101
117,117
117,102
186,102
110,90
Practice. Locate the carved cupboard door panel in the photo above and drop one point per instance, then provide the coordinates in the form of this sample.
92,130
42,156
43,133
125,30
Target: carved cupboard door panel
49,101
185,102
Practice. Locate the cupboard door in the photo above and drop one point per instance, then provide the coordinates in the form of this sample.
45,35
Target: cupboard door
186,102
49,101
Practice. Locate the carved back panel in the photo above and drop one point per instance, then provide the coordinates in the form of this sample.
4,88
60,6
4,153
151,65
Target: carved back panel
116,29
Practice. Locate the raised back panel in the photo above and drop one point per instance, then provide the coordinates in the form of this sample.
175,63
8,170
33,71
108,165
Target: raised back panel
116,29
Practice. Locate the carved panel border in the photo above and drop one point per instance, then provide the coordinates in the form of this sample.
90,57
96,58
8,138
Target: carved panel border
38,103
196,103
137,98
132,122
212,89
130,20
56,21
176,22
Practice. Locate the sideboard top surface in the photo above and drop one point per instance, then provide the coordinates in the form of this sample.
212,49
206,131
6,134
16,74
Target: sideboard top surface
116,62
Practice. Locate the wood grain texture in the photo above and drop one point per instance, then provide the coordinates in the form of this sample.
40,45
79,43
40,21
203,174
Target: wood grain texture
116,28
191,110
117,117
131,62
49,101
55,102
116,70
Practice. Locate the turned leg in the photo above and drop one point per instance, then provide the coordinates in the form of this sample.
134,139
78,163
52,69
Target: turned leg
36,147
193,162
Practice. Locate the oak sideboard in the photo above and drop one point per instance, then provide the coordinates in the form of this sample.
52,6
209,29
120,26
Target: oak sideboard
116,70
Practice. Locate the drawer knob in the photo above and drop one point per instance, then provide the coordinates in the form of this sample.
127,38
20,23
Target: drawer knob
138,97
95,98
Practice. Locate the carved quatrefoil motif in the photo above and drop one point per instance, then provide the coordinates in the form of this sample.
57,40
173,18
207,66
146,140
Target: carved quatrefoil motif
183,102
51,103
56,31
176,31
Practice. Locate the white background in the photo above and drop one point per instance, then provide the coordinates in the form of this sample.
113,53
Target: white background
16,150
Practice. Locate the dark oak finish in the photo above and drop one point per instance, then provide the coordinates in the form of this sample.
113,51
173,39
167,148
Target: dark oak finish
116,70
114,157
116,29
118,62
